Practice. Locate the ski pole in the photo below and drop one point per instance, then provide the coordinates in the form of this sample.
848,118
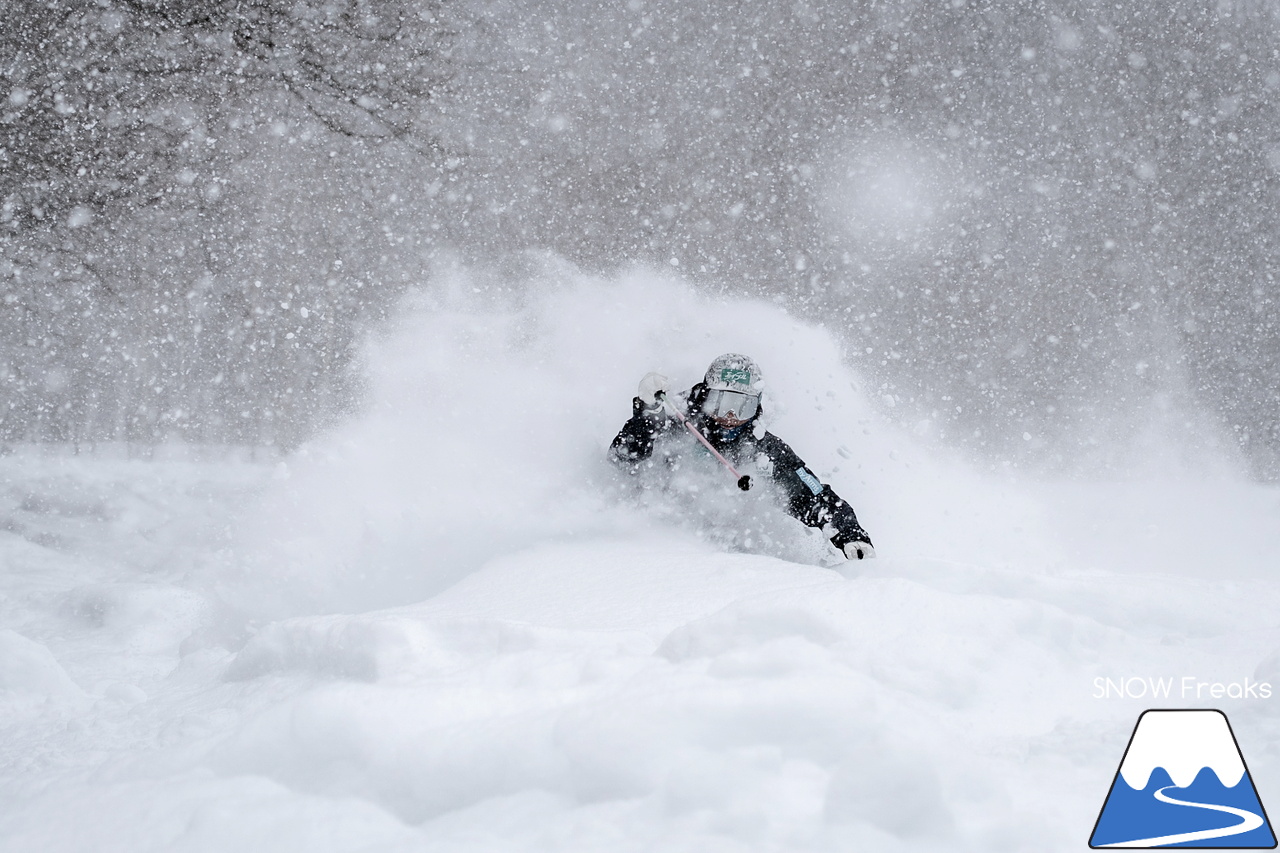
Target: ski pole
744,481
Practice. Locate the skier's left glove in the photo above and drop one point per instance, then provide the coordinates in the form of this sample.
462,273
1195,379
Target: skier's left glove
858,550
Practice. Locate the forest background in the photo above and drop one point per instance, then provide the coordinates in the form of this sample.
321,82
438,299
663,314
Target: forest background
1046,233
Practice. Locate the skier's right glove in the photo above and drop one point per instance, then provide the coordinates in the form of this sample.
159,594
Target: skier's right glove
651,387
855,544
858,550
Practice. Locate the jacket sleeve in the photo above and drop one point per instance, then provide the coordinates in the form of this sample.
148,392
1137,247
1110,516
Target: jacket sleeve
810,500
634,442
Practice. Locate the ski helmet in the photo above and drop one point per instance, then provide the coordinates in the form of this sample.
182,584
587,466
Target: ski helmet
733,385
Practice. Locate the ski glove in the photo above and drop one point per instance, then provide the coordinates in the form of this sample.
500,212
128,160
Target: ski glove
652,385
859,550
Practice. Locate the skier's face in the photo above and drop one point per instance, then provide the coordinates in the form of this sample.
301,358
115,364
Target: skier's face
728,421
730,408
724,435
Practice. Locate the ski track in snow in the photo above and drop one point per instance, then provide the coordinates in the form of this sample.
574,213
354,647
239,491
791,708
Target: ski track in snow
448,627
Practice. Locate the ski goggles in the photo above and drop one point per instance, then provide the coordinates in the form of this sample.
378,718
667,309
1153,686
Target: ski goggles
722,404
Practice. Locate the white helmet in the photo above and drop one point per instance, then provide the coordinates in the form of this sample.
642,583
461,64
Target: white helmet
734,385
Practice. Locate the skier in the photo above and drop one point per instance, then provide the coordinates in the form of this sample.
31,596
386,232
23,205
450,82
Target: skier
724,408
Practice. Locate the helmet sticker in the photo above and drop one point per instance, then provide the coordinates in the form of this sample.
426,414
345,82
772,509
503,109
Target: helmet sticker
734,372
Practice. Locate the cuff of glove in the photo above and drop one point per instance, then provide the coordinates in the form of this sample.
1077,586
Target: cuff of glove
640,408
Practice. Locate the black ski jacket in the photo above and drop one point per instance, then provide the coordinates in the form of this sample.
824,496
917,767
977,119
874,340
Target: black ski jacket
808,499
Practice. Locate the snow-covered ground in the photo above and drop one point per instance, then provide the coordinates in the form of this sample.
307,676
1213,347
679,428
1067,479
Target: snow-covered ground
447,626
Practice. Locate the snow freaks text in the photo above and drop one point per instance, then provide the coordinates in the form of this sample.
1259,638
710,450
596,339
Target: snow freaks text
1187,687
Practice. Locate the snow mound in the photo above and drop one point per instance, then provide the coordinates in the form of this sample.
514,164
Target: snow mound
451,625
29,671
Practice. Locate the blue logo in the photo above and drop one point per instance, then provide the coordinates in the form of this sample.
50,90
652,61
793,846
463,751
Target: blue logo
814,484
1183,783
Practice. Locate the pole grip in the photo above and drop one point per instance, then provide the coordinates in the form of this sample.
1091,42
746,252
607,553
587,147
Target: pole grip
744,481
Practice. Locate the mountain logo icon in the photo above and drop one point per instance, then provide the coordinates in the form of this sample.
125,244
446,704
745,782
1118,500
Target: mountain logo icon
1183,783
